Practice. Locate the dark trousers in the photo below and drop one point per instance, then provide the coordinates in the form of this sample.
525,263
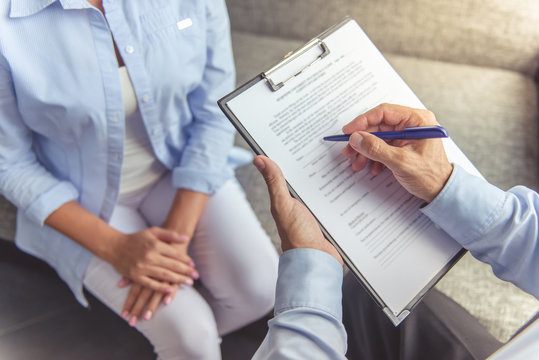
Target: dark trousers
438,328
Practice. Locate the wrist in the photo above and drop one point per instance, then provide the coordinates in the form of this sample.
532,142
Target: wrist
185,212
112,246
443,177
180,227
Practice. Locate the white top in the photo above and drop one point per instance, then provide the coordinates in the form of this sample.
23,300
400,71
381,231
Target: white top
140,167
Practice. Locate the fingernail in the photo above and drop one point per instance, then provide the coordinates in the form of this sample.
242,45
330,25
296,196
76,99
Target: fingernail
183,238
125,314
121,283
188,282
133,321
355,141
168,299
168,291
192,264
148,315
260,165
195,275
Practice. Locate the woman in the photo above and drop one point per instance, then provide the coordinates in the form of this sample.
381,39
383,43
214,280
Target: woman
120,163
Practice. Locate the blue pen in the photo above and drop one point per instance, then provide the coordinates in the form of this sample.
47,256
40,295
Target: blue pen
420,132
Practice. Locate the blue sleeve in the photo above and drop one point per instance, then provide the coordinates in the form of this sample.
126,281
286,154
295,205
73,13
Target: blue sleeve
308,309
203,166
497,227
23,181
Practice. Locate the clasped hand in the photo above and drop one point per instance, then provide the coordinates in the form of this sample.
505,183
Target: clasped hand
156,261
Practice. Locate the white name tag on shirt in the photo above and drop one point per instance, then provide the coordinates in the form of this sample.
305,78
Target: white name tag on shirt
184,24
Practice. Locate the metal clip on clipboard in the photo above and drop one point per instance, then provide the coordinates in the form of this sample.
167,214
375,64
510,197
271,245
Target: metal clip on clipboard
291,57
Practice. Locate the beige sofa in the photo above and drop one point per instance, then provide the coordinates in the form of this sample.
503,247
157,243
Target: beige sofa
473,62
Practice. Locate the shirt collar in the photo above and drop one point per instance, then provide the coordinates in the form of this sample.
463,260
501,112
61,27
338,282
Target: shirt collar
22,8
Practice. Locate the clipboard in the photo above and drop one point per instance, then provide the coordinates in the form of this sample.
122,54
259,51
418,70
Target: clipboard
299,70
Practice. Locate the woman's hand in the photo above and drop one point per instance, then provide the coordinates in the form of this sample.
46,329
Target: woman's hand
182,218
153,258
142,302
147,257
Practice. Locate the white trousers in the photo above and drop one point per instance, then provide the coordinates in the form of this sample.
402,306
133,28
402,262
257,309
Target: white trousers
234,256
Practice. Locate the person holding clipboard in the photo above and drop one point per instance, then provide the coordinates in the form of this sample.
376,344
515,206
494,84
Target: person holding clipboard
499,228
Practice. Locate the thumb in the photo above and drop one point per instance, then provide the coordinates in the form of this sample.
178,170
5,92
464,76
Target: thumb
373,147
274,178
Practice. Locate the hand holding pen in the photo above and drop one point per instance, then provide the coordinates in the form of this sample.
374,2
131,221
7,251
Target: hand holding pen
421,167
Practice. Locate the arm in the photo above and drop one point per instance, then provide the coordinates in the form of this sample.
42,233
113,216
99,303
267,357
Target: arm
203,165
45,199
23,180
308,309
145,257
498,227
185,212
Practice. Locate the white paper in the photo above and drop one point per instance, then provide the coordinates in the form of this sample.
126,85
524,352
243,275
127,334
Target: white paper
372,218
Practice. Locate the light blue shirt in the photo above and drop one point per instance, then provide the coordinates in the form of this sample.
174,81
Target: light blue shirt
499,228
308,310
61,110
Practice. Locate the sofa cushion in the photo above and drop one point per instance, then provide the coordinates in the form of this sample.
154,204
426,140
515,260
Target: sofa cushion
7,219
492,116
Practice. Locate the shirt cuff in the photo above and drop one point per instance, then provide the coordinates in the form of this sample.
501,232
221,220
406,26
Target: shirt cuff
200,181
466,206
40,209
309,278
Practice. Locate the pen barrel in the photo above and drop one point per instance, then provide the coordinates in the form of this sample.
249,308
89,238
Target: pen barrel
424,134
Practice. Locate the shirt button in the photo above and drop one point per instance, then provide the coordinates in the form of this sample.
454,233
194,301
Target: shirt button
116,156
129,49
115,117
155,132
146,98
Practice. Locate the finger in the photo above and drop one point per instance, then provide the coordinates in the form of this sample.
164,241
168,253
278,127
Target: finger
358,124
165,275
168,235
140,303
359,163
174,253
169,297
124,282
376,168
152,305
176,267
348,152
130,301
375,148
156,285
274,178
383,114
